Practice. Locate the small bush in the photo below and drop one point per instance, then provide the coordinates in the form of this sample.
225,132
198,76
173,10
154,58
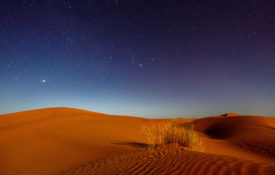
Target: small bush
164,133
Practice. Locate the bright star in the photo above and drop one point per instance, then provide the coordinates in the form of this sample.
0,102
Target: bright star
43,81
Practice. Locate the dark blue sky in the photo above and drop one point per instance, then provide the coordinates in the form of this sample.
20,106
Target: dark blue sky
148,58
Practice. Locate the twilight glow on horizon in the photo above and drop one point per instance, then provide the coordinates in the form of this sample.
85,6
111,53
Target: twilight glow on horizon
144,58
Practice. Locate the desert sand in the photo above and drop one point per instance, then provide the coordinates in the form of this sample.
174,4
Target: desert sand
72,141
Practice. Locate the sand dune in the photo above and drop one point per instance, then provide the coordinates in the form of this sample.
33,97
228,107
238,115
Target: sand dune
72,141
171,160
249,137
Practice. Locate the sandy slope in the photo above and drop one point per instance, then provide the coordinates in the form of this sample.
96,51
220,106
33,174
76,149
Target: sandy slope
72,141
171,160
248,137
49,140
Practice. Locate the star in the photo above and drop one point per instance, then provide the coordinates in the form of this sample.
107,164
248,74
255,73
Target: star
43,81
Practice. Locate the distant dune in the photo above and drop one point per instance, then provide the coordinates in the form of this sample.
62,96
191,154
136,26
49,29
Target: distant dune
70,141
230,114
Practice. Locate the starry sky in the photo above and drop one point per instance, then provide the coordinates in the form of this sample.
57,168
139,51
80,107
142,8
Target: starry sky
147,58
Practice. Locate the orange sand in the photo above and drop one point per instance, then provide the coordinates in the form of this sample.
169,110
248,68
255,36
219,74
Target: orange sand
71,141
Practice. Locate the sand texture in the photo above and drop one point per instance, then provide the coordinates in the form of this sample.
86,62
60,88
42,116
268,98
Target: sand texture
66,141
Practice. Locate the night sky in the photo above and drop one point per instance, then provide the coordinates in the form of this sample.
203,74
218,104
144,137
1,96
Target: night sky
148,58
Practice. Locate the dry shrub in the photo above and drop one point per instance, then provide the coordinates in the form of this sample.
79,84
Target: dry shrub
164,133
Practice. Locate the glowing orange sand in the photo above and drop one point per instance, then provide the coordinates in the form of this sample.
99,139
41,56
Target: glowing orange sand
72,141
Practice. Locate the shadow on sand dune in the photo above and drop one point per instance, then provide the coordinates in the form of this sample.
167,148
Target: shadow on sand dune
133,144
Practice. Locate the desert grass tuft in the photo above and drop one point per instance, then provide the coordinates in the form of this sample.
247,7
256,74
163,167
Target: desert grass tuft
164,133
